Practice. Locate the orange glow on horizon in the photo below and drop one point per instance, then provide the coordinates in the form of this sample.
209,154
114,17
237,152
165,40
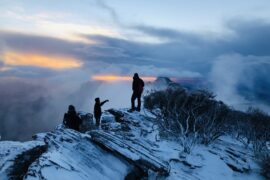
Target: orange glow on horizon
38,60
112,78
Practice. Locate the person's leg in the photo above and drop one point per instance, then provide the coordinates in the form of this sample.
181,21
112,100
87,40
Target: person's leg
133,98
139,102
97,120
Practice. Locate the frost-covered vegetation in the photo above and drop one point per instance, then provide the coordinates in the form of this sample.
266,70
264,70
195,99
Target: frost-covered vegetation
197,118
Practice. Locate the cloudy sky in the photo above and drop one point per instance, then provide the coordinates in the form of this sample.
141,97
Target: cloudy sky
51,51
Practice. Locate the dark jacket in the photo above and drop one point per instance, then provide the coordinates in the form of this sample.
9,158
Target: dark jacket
97,108
137,85
72,120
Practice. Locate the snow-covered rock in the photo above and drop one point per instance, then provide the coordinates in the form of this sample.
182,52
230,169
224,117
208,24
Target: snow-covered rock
15,157
225,159
127,146
71,155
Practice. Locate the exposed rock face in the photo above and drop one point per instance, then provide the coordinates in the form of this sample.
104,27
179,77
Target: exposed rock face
87,122
142,158
127,146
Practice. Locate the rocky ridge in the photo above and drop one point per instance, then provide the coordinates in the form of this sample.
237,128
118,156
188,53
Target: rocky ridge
127,146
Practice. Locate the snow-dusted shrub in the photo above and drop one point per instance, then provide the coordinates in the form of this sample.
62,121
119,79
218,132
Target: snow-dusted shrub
213,123
259,134
252,128
196,117
265,163
241,126
191,117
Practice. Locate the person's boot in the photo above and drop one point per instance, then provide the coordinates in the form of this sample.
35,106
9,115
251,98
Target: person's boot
138,109
131,110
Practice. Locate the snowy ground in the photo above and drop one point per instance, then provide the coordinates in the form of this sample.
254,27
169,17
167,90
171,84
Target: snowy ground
126,146
225,159
72,156
11,153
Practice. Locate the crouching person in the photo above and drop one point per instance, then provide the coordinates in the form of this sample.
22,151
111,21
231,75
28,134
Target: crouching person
71,119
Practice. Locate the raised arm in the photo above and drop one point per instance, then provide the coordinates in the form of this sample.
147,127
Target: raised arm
101,104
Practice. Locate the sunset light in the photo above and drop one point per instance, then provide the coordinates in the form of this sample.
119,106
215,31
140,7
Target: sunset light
112,78
38,60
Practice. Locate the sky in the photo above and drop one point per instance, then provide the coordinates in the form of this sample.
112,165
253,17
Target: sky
54,53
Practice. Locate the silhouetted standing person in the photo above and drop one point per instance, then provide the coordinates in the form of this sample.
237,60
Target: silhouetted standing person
71,119
137,87
97,110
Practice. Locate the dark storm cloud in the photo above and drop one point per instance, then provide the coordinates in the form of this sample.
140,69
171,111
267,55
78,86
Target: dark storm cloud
122,51
170,34
37,44
252,37
108,50
178,51
249,38
255,84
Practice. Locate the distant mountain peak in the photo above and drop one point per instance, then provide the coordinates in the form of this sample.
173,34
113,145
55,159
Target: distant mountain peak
163,79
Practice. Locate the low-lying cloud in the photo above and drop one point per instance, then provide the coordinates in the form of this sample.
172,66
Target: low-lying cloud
28,107
25,109
242,80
